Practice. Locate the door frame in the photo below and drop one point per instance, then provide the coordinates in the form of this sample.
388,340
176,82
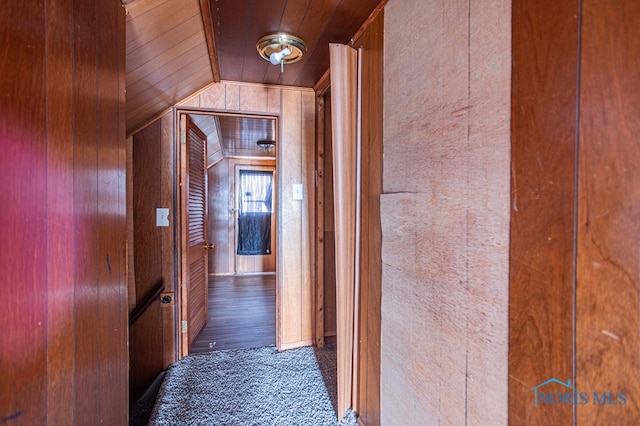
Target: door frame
180,115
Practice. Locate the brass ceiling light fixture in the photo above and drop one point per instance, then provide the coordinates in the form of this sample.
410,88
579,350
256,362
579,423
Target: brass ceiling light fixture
281,48
266,144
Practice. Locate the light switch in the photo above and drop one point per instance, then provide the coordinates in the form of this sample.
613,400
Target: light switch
297,191
162,217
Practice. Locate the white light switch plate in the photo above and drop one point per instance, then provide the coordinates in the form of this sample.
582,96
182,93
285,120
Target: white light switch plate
297,191
162,217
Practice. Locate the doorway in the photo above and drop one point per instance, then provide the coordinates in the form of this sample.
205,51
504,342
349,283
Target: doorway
235,143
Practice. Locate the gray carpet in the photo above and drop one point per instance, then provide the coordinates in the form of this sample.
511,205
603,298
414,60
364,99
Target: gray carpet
251,387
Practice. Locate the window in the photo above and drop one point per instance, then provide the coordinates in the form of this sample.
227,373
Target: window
254,212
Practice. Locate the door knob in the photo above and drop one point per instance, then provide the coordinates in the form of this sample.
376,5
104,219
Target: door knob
209,246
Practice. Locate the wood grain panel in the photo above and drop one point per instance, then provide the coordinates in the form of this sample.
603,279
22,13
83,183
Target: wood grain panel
329,229
544,90
60,268
144,25
214,97
86,214
23,169
168,191
253,98
219,213
445,206
368,397
308,179
607,319
146,337
111,216
321,109
165,76
290,225
167,57
63,174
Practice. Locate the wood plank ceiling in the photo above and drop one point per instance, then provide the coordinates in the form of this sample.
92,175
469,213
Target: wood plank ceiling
177,47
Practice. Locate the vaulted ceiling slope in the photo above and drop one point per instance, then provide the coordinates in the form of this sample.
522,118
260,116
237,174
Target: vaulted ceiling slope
177,47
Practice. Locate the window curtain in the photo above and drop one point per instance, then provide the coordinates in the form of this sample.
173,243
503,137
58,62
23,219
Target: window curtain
255,208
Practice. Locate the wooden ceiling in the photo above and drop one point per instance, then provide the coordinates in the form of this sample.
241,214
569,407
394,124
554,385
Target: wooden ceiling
177,47
232,135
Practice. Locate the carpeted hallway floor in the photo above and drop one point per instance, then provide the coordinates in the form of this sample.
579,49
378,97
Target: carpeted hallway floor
251,387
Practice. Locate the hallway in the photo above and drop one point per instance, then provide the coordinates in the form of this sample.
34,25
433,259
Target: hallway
242,313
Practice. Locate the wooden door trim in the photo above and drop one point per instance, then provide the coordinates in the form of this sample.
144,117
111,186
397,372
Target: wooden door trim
183,251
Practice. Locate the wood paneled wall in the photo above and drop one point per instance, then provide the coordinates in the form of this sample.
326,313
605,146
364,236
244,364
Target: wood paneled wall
327,242
222,220
63,348
218,226
295,109
368,387
152,339
575,207
608,225
445,212
542,269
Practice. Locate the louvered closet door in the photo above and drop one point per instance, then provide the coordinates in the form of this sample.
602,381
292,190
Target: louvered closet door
197,287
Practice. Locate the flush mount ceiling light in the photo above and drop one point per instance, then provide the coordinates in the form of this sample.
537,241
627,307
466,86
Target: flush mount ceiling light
281,48
266,144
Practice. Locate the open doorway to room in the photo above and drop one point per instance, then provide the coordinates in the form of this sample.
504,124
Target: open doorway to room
240,225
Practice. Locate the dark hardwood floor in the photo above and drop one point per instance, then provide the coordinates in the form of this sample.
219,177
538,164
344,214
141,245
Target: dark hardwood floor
242,313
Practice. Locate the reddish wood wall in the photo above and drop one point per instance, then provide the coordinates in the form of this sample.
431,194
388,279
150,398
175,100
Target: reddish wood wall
544,96
575,207
64,343
152,339
608,224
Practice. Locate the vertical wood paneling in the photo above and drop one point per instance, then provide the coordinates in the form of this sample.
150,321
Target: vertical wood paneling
290,211
60,210
253,98
274,100
308,179
232,97
608,284
63,216
152,338
23,172
123,205
167,200
214,97
219,214
85,209
544,90
111,216
368,403
146,336
329,229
